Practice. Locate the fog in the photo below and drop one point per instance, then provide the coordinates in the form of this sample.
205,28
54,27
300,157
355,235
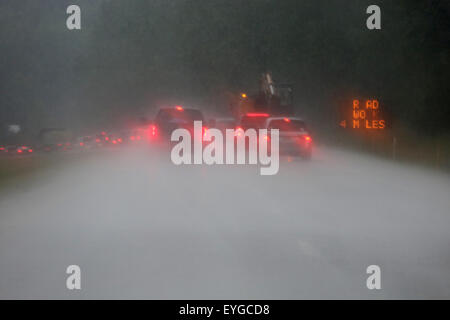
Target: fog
140,227
131,57
73,190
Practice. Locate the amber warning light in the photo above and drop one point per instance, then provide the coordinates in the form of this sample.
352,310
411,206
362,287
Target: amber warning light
365,116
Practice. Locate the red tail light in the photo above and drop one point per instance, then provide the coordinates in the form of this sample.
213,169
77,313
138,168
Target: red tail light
308,139
132,138
114,142
179,108
30,150
138,137
81,144
153,130
106,138
238,131
19,151
204,132
257,114
119,140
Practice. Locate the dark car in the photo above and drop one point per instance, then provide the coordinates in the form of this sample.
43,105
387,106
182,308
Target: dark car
224,123
14,150
169,119
55,139
253,120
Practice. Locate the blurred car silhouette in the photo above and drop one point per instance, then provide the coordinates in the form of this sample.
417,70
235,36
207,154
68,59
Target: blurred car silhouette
169,119
294,139
14,150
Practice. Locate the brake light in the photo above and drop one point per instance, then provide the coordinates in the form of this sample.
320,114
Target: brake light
308,139
30,150
238,131
119,140
114,141
107,138
19,151
287,120
257,114
81,144
204,132
179,108
153,130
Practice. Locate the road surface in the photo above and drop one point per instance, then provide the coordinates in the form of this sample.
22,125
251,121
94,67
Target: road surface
140,227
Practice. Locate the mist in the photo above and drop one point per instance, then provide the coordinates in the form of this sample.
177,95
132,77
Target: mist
141,227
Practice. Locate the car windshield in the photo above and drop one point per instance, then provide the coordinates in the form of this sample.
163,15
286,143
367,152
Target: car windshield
180,116
247,149
287,125
226,123
255,122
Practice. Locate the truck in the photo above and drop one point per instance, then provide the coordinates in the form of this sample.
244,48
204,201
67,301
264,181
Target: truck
274,99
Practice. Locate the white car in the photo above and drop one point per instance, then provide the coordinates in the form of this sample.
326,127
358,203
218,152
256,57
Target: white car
294,136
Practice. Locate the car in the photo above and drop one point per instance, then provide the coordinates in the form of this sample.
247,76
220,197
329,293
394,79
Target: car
23,150
11,150
253,120
294,138
14,150
115,140
129,136
85,142
55,139
223,123
101,139
169,119
64,146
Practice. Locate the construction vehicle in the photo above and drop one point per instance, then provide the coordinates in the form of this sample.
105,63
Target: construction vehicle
274,99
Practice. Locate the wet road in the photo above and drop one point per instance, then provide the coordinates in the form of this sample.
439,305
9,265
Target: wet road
141,227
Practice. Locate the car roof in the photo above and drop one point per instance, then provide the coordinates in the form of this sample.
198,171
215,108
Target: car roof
174,108
226,119
282,118
268,120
